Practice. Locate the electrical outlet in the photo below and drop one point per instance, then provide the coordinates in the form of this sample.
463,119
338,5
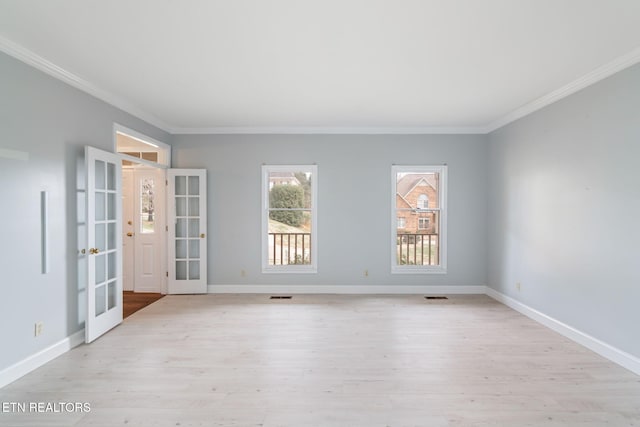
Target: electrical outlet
38,328
518,286
243,273
366,273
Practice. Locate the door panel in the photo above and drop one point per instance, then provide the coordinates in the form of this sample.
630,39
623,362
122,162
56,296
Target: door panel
187,231
149,229
128,238
104,240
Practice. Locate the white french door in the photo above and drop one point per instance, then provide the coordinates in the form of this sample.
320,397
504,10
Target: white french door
104,240
187,219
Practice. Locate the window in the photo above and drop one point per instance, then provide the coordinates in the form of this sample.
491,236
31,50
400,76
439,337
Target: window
402,222
423,223
423,201
419,198
289,226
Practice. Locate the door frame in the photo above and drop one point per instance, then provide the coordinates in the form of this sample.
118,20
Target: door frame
165,165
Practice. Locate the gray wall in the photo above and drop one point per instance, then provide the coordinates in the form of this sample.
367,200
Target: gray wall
52,122
354,191
564,210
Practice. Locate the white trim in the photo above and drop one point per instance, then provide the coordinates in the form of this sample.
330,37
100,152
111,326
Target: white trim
30,58
348,289
33,362
139,136
586,80
442,208
289,269
328,130
614,354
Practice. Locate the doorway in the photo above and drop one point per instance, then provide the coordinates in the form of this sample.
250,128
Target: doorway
144,219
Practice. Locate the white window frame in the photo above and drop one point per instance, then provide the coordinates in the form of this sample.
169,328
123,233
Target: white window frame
422,221
290,268
423,200
442,203
401,224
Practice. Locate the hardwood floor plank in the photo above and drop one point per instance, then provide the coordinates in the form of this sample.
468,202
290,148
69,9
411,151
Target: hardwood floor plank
323,360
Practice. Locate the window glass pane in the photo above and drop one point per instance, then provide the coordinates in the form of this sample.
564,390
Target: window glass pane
194,206
100,268
194,227
418,213
101,213
181,206
181,270
111,206
194,270
153,157
100,175
101,300
290,245
147,205
194,185
181,185
111,259
181,249
100,237
111,236
111,176
290,190
194,248
181,227
112,295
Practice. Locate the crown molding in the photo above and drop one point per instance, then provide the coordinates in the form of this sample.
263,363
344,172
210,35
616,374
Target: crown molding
30,58
330,130
600,73
23,54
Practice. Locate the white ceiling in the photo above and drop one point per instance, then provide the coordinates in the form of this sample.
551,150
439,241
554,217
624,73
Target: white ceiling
325,65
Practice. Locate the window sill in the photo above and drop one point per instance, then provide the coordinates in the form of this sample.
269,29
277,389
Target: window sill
290,270
418,270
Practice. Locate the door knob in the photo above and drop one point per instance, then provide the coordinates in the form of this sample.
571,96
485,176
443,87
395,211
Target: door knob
94,251
130,234
202,236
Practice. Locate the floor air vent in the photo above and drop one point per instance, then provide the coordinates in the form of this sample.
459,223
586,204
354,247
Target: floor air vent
280,297
436,298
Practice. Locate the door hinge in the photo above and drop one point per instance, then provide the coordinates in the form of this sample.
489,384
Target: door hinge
167,274
166,182
166,228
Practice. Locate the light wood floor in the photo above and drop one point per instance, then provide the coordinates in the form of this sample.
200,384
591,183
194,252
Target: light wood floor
245,360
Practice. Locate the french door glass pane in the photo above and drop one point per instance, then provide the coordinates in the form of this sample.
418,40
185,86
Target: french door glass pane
111,259
181,185
100,268
100,175
100,237
194,206
194,227
111,236
181,227
100,207
181,206
112,295
194,270
111,204
101,300
194,248
181,249
181,270
111,176
194,185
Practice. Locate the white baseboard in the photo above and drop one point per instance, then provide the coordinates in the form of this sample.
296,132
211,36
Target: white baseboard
346,289
618,356
33,362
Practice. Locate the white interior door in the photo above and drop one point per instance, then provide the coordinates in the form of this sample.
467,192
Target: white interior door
187,219
149,229
104,240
